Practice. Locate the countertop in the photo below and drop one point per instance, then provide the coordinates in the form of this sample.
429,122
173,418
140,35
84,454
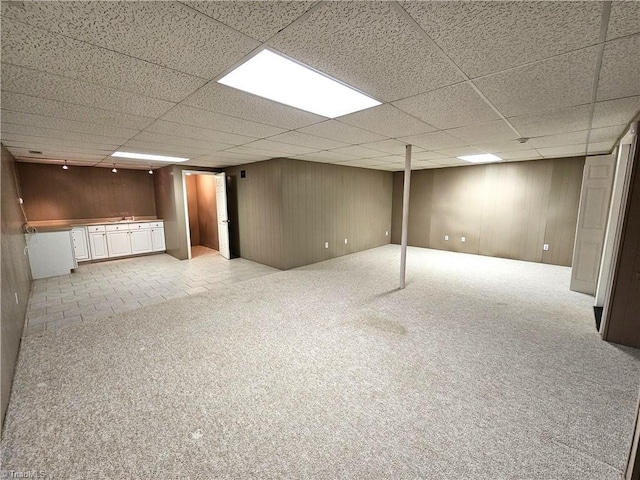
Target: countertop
65,225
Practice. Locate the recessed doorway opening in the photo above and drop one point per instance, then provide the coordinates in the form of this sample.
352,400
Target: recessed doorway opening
206,220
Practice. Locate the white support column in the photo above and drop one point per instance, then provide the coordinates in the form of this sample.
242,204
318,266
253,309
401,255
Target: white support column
405,215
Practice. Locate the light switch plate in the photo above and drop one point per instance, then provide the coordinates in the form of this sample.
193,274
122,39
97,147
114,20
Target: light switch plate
545,247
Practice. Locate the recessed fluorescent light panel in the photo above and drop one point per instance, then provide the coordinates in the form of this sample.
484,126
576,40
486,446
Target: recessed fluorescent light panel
483,158
146,156
277,78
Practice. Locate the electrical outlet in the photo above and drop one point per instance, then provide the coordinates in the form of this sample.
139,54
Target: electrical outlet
545,247
17,301
345,241
326,244
446,237
464,239
386,233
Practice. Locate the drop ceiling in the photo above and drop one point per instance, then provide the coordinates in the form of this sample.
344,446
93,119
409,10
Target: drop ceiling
81,80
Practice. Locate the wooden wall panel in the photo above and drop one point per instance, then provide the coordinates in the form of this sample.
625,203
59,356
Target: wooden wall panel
16,276
328,203
259,210
505,210
192,204
51,193
562,216
207,210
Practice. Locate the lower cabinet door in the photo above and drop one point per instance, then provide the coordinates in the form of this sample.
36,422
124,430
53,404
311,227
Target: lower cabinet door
157,239
98,245
140,241
118,243
80,247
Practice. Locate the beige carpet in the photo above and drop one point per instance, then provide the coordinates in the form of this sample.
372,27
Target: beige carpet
481,368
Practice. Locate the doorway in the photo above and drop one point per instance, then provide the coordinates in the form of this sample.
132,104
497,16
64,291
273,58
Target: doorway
205,213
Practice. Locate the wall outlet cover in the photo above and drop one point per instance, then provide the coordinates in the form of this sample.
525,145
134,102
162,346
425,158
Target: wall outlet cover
386,233
345,241
464,239
446,237
326,244
545,247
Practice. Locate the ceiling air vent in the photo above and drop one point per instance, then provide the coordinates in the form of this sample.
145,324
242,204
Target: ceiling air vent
35,152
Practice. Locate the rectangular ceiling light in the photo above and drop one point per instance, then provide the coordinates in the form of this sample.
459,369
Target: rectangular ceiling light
146,156
277,78
483,158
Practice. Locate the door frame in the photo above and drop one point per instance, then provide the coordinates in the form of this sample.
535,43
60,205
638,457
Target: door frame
186,205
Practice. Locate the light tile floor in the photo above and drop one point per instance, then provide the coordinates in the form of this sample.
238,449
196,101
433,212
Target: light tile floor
100,289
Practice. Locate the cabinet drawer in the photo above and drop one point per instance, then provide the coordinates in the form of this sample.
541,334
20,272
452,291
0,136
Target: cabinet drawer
115,228
157,224
95,228
139,226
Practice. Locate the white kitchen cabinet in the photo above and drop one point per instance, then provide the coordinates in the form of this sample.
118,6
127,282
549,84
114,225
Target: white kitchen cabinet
118,240
80,243
158,243
140,237
98,242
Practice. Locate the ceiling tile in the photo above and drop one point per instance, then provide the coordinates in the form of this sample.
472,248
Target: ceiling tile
529,154
449,107
189,131
326,156
369,46
389,167
423,156
236,103
282,148
41,84
232,158
434,141
620,67
40,50
552,122
23,153
615,112
216,121
573,138
177,141
258,152
607,134
503,147
387,120
359,151
28,119
399,159
394,147
341,132
52,133
305,140
565,151
624,19
162,33
260,20
452,162
600,148
459,152
52,108
486,37
155,148
550,84
497,131
46,143
424,165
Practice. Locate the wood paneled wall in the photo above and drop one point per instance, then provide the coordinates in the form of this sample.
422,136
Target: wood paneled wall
51,193
330,203
16,276
258,225
192,203
207,210
504,210
287,210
